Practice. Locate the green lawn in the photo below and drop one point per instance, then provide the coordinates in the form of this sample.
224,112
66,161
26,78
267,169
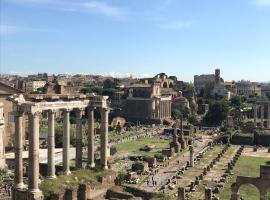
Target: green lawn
49,186
246,166
133,147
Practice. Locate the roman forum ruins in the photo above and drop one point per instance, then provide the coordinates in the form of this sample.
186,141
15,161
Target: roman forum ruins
34,110
262,104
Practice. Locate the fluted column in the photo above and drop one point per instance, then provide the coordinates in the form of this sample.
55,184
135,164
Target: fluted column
18,179
91,138
51,145
255,114
33,170
79,137
66,142
268,116
104,137
262,115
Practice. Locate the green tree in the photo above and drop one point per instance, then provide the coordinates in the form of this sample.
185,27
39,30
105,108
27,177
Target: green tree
236,101
193,120
218,112
176,114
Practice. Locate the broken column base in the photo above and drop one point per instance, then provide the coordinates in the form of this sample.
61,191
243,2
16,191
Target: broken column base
19,194
35,195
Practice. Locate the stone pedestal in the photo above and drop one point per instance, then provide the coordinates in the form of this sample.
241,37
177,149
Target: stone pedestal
181,193
191,156
208,194
35,195
91,138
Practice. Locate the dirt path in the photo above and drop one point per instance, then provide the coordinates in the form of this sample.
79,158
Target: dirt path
166,173
215,174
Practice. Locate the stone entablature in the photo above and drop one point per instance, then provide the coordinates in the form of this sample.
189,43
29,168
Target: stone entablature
33,110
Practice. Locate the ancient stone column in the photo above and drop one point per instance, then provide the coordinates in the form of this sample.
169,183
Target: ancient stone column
79,137
191,156
51,145
255,114
66,142
91,138
268,116
181,193
104,137
2,132
18,179
262,116
33,171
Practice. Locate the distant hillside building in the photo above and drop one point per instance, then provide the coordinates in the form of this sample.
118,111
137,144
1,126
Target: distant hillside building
6,91
212,85
144,103
205,80
32,86
248,88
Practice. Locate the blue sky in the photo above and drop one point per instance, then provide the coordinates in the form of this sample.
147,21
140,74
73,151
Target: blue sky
139,37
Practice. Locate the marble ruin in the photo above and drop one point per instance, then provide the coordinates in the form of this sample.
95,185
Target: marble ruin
262,183
34,110
262,105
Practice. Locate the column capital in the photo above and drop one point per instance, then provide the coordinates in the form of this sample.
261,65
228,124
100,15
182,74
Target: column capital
52,111
36,113
91,108
105,109
18,113
67,109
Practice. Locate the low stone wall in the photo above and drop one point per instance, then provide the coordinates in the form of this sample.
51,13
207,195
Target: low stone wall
262,139
256,139
242,140
140,193
118,194
86,191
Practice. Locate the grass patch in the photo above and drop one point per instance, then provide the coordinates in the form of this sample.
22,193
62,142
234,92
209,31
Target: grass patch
133,147
246,166
50,186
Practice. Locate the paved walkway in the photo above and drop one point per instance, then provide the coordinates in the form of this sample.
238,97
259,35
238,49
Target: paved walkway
166,173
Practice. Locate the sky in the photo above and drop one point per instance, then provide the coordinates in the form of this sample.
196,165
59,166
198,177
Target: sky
138,37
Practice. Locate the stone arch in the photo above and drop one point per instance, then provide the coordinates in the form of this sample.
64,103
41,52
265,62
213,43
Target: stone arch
236,187
171,85
249,190
165,84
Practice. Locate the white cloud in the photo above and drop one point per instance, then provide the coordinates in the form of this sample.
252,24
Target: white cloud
9,29
94,6
103,8
5,29
262,2
175,25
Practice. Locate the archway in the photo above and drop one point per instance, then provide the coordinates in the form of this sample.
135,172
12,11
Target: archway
171,85
249,192
165,85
